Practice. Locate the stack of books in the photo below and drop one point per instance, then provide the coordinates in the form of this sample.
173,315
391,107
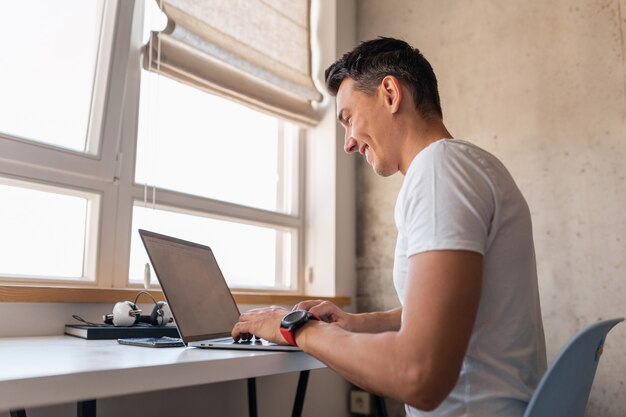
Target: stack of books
108,331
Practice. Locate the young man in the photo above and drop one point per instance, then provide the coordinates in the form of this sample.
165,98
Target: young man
468,339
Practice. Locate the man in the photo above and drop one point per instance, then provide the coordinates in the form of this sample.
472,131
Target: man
468,339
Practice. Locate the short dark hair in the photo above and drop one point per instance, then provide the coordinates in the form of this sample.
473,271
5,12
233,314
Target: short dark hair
373,60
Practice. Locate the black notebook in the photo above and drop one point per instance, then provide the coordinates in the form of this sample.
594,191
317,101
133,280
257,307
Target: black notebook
113,332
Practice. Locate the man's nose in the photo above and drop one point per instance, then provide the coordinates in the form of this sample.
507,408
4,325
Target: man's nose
350,145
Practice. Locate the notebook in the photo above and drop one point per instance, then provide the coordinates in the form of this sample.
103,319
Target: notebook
195,289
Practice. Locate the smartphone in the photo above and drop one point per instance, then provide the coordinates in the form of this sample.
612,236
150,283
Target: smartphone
157,342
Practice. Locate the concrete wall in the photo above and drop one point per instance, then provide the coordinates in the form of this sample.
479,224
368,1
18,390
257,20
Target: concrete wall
541,84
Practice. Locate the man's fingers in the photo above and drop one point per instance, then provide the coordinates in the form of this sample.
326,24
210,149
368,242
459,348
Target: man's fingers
242,331
326,311
253,314
245,317
307,305
317,310
260,323
322,313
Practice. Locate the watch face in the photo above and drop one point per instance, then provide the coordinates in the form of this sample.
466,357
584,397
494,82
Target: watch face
294,317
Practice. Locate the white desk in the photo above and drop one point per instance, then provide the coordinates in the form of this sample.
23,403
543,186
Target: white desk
40,371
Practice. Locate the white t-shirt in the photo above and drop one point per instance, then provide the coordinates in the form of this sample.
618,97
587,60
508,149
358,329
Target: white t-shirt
458,196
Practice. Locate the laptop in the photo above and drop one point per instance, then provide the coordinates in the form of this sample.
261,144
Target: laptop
195,289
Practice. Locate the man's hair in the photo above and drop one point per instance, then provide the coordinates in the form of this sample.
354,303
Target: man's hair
373,60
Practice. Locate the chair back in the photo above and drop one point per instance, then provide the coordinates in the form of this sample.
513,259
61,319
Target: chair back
564,389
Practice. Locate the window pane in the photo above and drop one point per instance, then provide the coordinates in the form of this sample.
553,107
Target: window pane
197,143
248,255
47,66
43,232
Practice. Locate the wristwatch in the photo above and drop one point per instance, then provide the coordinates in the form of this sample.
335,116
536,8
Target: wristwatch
293,321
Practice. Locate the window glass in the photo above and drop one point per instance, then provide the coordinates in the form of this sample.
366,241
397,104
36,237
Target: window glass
250,256
200,144
47,69
44,231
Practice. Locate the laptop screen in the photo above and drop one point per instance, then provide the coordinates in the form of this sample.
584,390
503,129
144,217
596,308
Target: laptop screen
194,287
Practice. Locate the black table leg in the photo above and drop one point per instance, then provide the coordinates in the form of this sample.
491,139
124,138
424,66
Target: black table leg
251,397
83,409
300,392
86,408
380,406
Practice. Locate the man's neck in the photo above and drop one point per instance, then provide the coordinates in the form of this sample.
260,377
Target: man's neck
421,135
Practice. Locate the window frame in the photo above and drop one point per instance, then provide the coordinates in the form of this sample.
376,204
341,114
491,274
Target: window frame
326,248
90,250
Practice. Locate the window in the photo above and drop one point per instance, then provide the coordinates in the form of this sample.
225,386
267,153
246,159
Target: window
197,143
250,255
83,164
94,147
48,88
54,161
54,241
219,173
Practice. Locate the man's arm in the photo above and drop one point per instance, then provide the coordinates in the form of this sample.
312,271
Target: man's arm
375,322
378,322
420,363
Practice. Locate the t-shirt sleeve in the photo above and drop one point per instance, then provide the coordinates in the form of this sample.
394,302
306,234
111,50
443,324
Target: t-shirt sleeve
449,202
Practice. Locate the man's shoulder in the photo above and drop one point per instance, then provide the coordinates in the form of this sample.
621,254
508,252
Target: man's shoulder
447,155
455,148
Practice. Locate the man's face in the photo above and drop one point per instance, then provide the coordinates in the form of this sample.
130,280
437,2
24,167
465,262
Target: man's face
366,120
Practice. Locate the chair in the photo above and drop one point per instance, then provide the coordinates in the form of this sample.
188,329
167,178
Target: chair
564,389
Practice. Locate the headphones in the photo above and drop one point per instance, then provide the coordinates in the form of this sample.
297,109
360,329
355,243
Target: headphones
126,313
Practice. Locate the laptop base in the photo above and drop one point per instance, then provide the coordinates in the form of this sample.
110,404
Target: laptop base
250,345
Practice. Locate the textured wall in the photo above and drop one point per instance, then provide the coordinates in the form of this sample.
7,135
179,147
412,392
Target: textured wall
541,84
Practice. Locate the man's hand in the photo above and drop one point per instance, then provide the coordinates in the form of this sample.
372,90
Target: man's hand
376,322
261,323
328,312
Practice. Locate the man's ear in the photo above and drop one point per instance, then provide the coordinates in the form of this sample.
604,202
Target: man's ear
392,93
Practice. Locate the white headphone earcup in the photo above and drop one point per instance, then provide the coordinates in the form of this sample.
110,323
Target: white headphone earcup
122,314
166,317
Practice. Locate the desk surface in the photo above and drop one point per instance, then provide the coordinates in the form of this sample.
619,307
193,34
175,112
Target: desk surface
37,371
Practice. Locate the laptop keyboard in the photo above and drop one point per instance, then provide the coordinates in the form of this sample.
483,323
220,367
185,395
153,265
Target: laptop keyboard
242,342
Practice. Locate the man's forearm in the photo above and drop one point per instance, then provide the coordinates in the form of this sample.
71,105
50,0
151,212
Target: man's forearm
377,322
